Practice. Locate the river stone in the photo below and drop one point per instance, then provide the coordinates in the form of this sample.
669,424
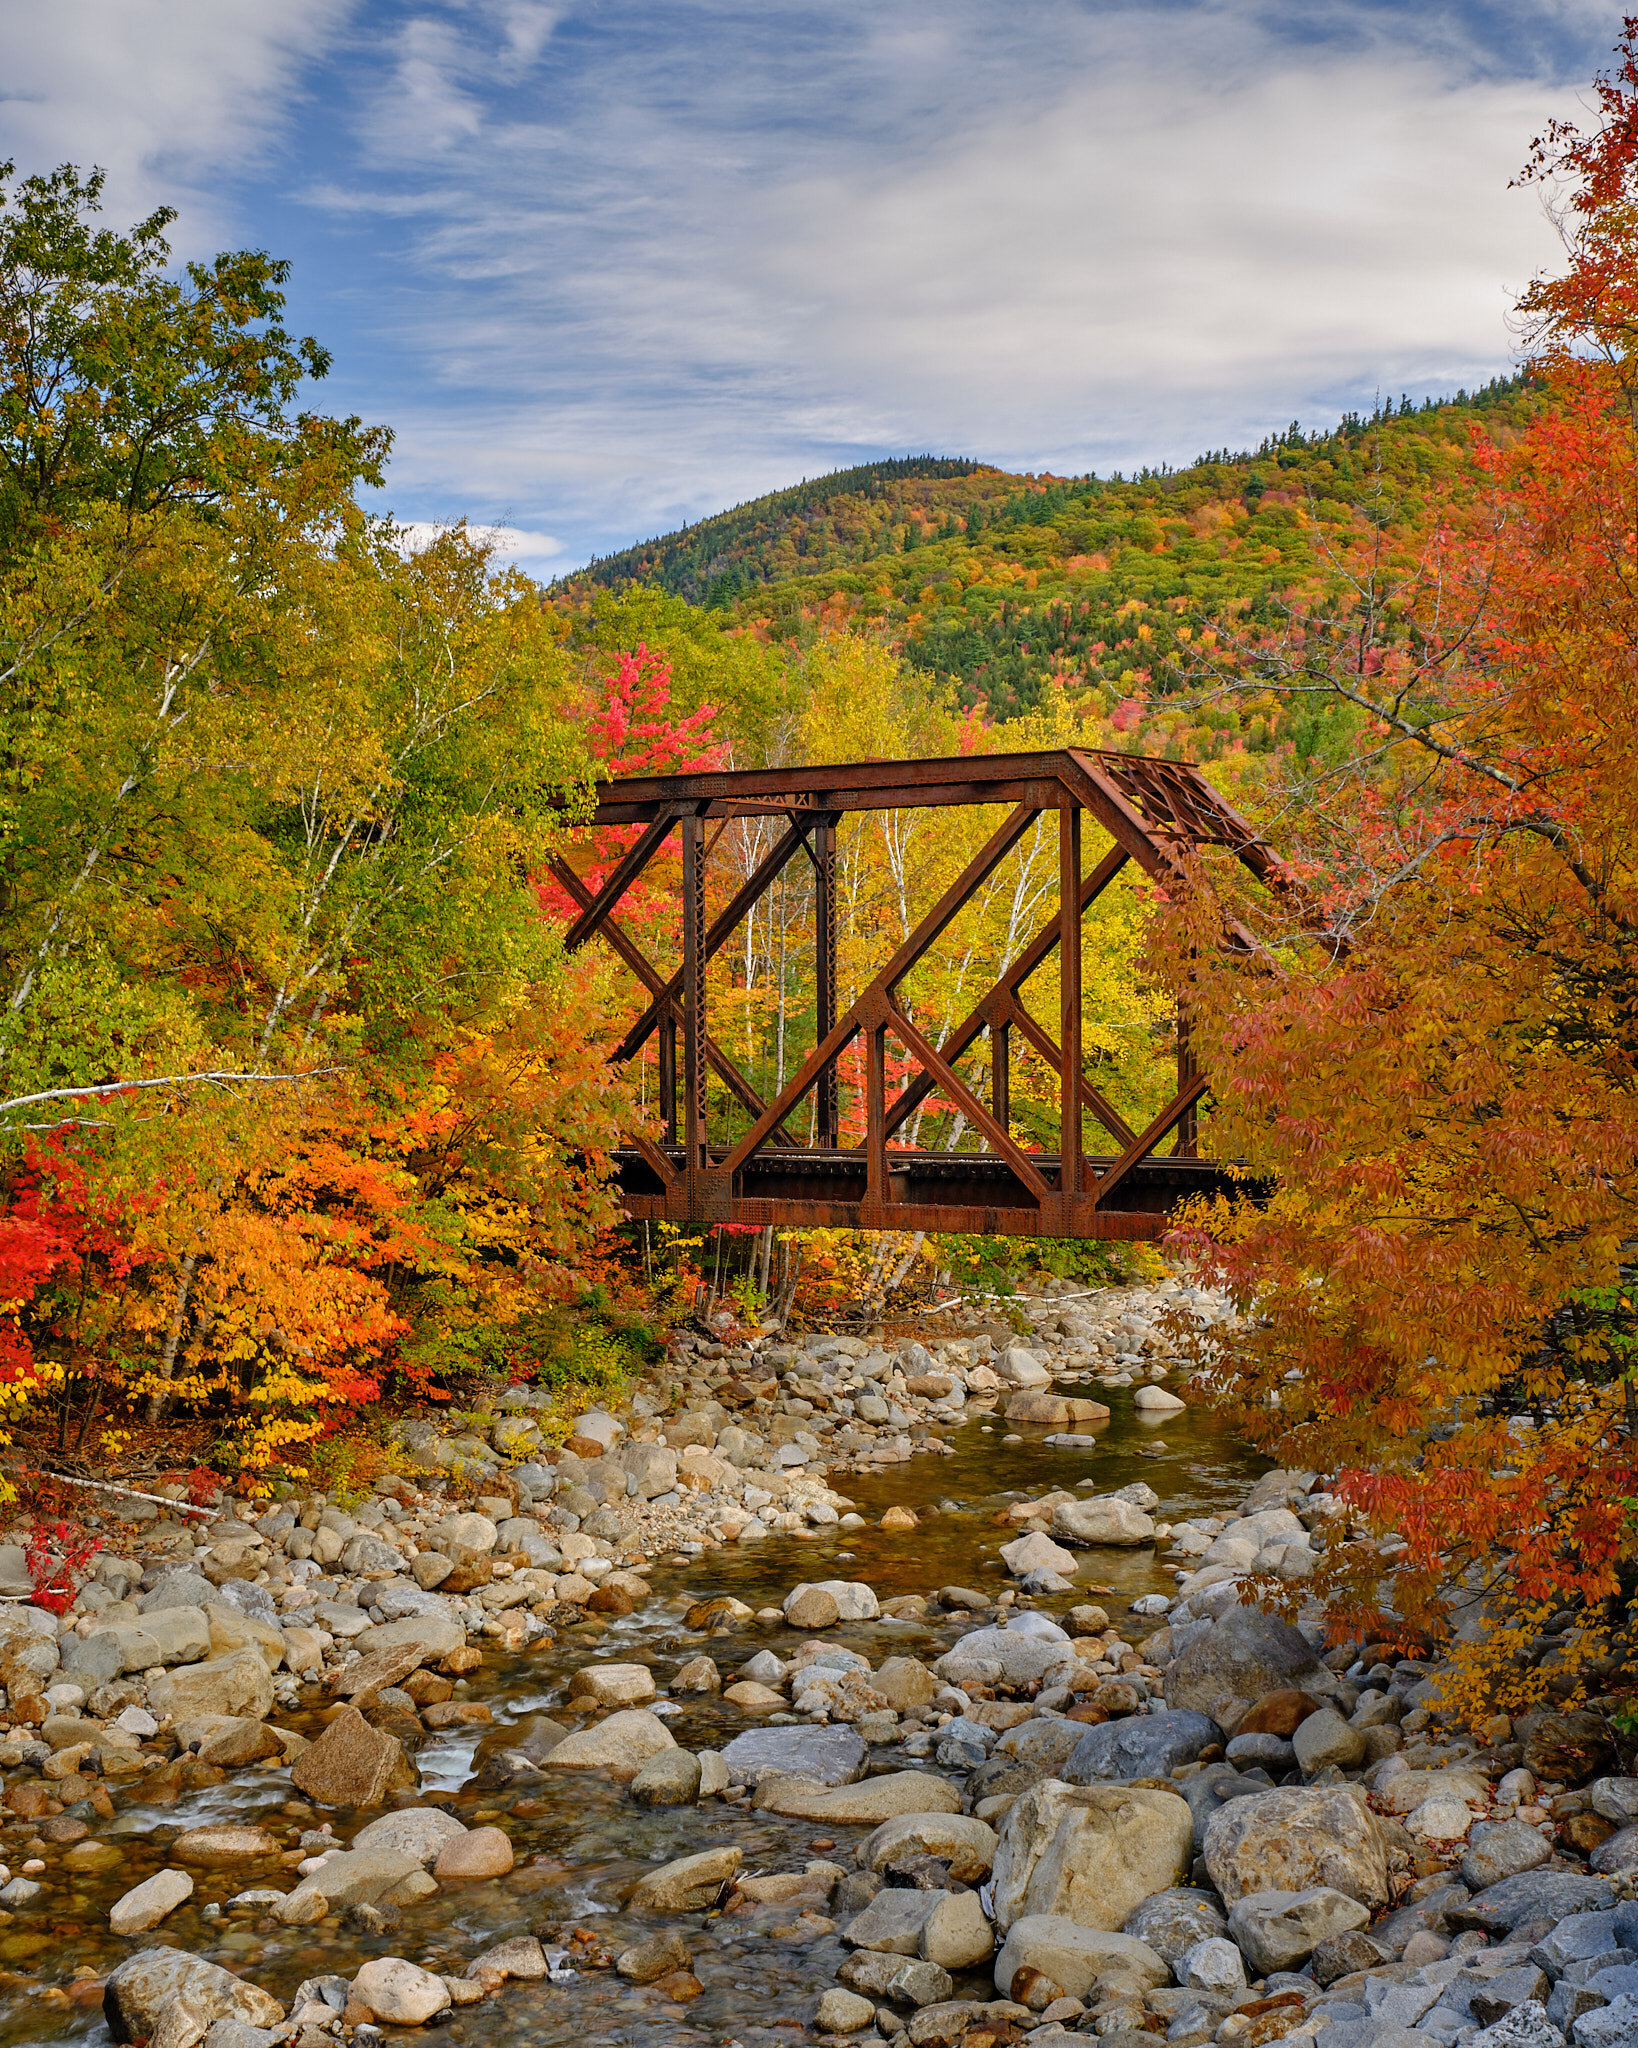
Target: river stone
892,1922
1088,1853
418,1831
1245,1653
956,1935
176,1589
1295,1839
436,1630
1326,1738
1141,1746
239,1685
1011,1655
379,1668
1044,1744
1532,1895
352,1764
1035,1404
1498,1849
621,1745
1612,2026
1073,1956
824,1756
613,1685
904,1682
967,1845
1173,1921
1619,1854
1213,1965
811,1607
670,1778
354,1877
1022,1368
690,1885
1036,1553
230,1741
398,1992
1279,1713
218,1848
146,1904
843,2012
142,1989
655,1956
1106,1520
1568,1748
1280,1930
1407,1790
866,1805
483,1852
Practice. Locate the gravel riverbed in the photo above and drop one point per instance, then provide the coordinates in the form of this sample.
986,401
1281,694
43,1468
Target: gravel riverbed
868,1688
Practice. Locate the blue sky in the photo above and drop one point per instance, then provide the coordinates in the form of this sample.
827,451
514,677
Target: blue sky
608,266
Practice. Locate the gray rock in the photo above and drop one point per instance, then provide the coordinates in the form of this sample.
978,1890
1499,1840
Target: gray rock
1612,2026
1294,1840
671,1777
176,1589
1498,1849
1526,2026
249,1598
843,2012
1280,1930
140,1990
827,1755
1213,1965
1273,1752
1532,1895
1617,1856
1140,1746
1616,1799
1326,1739
1617,1981
1171,1922
1426,1916
1567,2002
1009,1655
236,2034
1576,1939
1245,1653
893,1921
1073,1956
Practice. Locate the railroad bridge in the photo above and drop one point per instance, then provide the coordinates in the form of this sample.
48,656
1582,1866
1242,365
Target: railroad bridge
1147,810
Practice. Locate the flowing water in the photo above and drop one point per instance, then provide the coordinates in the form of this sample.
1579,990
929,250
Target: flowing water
579,1839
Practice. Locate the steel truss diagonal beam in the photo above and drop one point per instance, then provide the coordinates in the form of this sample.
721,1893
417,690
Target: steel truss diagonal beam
1154,813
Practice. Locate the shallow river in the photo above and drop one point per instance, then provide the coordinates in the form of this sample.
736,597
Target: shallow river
579,1840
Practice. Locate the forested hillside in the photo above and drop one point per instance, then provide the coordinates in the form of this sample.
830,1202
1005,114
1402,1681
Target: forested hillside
1004,585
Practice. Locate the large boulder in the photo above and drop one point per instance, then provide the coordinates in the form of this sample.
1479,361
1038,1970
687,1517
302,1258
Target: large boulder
1055,1411
612,1685
824,1755
1295,1839
1088,1853
1107,1521
355,1877
1242,1656
142,1989
1141,1746
1072,1955
437,1631
620,1745
353,1764
239,1685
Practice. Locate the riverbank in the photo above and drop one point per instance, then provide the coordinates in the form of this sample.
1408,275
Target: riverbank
960,1763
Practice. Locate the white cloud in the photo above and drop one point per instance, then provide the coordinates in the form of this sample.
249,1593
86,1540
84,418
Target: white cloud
167,95
529,550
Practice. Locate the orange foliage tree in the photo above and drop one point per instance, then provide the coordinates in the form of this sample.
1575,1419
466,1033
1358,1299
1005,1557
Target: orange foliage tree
1437,1070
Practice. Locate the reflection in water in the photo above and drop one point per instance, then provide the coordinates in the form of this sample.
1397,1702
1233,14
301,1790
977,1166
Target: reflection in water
580,1842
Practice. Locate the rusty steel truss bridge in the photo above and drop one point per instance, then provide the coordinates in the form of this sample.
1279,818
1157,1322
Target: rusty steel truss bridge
1150,810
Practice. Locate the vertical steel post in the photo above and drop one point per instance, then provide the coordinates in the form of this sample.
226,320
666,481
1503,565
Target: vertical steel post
668,1077
876,1113
694,1062
1069,994
1188,1127
824,941
1001,1074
